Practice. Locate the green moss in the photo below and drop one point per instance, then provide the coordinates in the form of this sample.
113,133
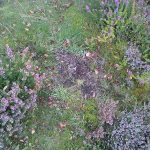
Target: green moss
90,114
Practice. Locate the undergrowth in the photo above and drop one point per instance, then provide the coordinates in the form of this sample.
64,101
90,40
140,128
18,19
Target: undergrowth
100,78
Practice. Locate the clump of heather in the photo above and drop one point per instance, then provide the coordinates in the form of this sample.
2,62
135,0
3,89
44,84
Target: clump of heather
97,134
9,52
133,58
133,130
19,84
1,69
88,8
107,111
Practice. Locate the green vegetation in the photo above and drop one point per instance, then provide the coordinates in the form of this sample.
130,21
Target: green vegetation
104,50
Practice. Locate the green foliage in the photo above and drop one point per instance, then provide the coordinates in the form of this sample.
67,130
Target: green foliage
43,27
16,95
73,26
23,95
30,25
124,22
141,89
135,32
61,93
30,82
76,27
90,114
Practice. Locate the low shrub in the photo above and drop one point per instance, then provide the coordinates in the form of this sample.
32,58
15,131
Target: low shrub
19,84
133,58
133,130
108,111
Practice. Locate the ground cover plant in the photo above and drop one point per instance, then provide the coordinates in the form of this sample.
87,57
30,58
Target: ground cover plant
19,83
74,75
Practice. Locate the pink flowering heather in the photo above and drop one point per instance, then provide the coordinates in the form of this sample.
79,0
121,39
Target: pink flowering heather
117,2
4,103
2,72
13,110
134,58
38,79
130,74
9,52
107,111
147,67
132,131
14,90
25,51
20,95
88,9
28,66
98,133
33,97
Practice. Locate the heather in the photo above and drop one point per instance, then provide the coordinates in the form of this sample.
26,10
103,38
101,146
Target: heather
74,75
19,84
133,130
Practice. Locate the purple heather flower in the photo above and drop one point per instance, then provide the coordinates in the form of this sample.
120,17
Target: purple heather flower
132,131
9,52
141,2
33,97
104,2
13,108
4,118
108,110
28,66
4,101
141,82
133,58
2,72
116,2
26,89
4,104
88,9
126,2
14,90
39,78
147,67
98,133
116,10
129,73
